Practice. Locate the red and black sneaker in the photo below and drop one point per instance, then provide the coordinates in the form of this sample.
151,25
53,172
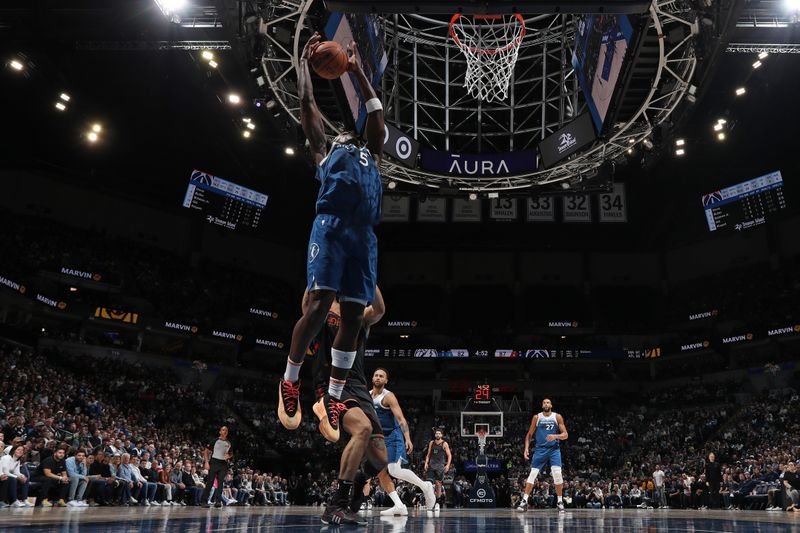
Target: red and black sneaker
334,409
336,515
289,411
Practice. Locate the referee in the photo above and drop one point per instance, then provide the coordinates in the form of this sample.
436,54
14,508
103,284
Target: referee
217,466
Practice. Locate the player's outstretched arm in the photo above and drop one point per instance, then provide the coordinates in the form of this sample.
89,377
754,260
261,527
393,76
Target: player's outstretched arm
391,402
529,435
375,126
310,116
375,311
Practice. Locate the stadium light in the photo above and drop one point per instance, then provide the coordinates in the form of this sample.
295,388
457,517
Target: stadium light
756,64
246,134
60,106
289,150
247,120
630,151
721,121
93,137
680,142
73,289
213,64
721,136
740,91
718,126
65,97
97,128
234,98
763,55
251,126
631,140
16,65
208,55
793,5
392,185
680,152
473,196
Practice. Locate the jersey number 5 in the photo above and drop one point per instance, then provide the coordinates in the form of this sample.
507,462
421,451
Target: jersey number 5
363,159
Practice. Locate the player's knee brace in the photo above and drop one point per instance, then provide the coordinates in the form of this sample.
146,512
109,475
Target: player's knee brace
532,476
558,479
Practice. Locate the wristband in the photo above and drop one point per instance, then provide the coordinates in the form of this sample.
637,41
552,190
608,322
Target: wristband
374,104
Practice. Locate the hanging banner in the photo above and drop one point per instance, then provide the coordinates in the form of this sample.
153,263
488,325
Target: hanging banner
395,208
465,210
503,209
577,208
612,205
542,209
432,209
478,164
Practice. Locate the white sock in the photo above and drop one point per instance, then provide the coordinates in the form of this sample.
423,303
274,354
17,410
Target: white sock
336,387
396,499
524,497
405,474
292,372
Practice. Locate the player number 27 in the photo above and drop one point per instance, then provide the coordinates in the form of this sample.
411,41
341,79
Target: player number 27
549,427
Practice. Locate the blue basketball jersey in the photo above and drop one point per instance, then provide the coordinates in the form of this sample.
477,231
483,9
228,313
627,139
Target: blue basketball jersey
350,186
385,416
546,425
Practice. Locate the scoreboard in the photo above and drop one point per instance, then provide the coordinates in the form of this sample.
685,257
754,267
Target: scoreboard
224,203
745,205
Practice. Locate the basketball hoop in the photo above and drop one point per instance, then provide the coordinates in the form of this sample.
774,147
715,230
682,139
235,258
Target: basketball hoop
491,45
481,434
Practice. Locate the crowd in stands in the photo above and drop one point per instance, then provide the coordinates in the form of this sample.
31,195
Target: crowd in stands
85,431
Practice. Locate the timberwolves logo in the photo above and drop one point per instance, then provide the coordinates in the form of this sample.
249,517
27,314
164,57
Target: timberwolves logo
201,177
565,142
313,252
712,198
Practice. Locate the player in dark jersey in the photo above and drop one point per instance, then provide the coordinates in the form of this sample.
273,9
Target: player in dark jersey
548,428
437,462
343,249
359,419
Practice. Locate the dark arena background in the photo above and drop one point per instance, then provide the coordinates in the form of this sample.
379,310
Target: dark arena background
592,202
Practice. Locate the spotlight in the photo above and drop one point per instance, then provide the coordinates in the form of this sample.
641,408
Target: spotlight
289,150
97,128
16,65
473,196
271,104
213,64
60,106
247,120
564,185
680,142
246,134
92,136
721,136
648,144
630,150
631,140
234,98
763,55
65,97
208,55
392,185
721,121
756,64
680,151
73,289
718,126
740,91
251,126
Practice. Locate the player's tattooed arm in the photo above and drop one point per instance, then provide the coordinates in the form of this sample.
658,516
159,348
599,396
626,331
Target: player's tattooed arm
310,115
392,403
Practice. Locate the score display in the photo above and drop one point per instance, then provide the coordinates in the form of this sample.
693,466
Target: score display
745,205
224,203
483,393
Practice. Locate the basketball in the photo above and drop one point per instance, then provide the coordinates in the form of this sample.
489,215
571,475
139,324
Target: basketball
329,60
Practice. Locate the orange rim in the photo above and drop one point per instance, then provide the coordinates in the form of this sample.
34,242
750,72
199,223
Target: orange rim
488,51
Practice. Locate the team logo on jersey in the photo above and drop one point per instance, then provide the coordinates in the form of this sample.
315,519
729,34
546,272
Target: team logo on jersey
313,252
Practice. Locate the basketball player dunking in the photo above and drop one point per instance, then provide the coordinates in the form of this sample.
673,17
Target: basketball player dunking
549,428
437,462
343,249
398,440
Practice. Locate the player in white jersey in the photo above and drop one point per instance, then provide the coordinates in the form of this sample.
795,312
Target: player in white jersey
549,428
397,439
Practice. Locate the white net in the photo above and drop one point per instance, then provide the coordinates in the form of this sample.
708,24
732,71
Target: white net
491,45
